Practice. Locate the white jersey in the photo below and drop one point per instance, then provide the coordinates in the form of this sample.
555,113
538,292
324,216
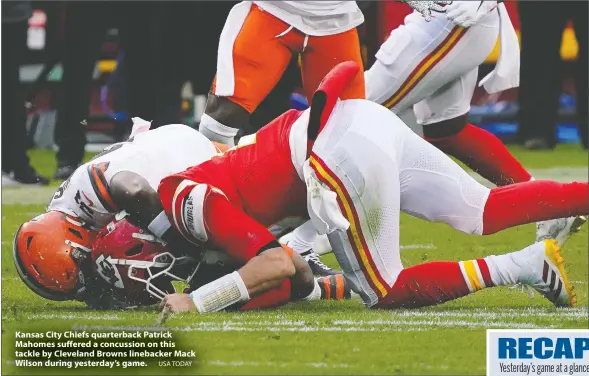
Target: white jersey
316,18
153,155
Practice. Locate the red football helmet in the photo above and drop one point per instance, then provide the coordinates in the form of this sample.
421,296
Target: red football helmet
138,267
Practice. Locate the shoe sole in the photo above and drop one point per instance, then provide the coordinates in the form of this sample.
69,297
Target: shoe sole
574,228
577,223
554,255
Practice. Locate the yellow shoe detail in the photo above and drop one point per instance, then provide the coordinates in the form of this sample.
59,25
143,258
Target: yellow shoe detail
553,254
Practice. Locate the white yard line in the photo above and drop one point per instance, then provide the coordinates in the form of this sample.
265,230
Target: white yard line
27,195
336,326
411,320
243,363
391,326
73,316
417,246
576,313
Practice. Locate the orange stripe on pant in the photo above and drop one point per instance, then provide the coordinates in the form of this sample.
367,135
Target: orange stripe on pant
339,287
355,234
327,286
426,65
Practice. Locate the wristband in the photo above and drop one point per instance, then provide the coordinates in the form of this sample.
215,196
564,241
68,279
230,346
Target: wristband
220,294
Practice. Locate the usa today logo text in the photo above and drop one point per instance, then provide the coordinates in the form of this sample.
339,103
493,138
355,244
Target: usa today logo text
538,352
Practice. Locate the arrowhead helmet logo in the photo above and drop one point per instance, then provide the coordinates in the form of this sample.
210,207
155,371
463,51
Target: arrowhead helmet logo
108,271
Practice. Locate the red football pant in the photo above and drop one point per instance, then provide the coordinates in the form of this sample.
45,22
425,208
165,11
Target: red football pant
533,201
484,153
436,282
270,299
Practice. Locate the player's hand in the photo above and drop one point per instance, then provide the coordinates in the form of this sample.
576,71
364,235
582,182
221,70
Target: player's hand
468,13
427,7
177,303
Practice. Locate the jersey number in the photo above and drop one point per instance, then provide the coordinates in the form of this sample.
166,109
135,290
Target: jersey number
61,189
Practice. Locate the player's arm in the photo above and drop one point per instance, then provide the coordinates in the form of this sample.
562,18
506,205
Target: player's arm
132,193
267,262
203,214
240,286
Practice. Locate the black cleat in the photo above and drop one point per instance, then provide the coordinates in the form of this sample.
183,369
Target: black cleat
318,267
29,176
334,287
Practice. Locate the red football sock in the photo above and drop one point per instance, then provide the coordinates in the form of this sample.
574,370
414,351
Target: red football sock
533,201
270,299
436,282
484,153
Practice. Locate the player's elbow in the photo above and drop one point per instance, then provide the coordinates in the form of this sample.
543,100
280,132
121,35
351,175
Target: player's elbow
303,282
131,192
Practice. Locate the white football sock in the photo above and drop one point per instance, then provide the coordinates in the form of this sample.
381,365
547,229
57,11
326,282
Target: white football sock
303,238
506,269
216,131
316,293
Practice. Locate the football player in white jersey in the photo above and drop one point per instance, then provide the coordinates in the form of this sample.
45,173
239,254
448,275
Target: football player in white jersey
49,249
429,70
258,42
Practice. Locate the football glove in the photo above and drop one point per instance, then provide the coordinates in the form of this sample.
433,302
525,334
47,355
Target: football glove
468,13
427,7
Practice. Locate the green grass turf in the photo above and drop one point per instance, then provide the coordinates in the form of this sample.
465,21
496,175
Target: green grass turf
45,163
325,337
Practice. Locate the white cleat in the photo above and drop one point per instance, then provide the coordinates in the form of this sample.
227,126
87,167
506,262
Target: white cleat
545,273
560,229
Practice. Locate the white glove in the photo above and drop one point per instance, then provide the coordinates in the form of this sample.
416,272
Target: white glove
468,13
427,7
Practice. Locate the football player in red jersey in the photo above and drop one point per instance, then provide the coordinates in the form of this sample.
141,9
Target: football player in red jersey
50,250
351,166
138,269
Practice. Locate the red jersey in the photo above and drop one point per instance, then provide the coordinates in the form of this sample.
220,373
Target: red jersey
233,199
